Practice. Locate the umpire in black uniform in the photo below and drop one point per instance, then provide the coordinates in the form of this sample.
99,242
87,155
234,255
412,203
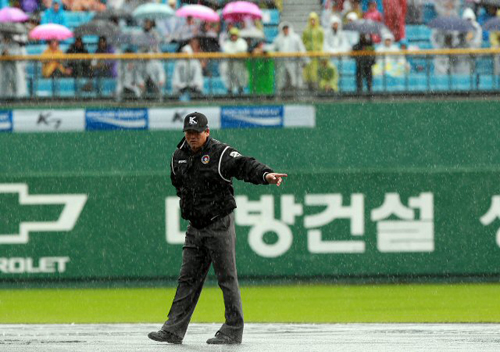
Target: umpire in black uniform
201,172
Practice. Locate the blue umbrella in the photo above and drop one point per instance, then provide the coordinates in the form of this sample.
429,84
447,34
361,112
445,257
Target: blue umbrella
492,24
451,23
153,11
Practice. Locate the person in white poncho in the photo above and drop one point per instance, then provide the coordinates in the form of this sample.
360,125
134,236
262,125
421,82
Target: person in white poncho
289,70
12,73
188,74
392,65
234,71
469,40
336,40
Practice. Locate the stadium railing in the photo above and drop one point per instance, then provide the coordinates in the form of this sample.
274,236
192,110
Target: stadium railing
406,72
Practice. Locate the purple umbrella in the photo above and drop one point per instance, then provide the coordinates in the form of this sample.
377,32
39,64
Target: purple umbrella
12,14
451,23
50,31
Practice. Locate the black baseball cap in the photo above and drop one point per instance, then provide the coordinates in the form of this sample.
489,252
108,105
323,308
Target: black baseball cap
195,121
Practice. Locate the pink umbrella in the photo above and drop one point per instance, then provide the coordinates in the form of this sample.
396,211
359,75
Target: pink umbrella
198,11
12,14
50,31
236,11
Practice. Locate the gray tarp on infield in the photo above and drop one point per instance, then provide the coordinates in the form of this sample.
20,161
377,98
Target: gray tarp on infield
257,337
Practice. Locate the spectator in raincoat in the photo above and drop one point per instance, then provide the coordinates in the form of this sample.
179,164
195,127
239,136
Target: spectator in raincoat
130,82
328,76
395,17
364,63
154,78
104,68
261,71
447,7
352,36
288,70
441,39
12,73
55,14
54,68
495,44
313,38
373,13
336,40
469,40
187,76
234,71
391,65
79,68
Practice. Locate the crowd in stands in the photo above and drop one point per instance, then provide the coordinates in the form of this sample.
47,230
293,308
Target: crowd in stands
324,33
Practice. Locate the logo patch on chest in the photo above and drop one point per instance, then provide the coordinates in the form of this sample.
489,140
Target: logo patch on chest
205,159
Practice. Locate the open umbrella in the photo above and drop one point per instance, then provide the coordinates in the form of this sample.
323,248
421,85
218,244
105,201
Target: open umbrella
492,24
451,23
139,39
365,26
50,31
198,11
97,27
13,28
153,11
12,14
490,2
112,13
252,33
238,10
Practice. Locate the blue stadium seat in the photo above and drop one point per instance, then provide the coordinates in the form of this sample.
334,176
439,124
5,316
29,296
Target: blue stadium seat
346,66
417,33
271,32
214,86
44,88
347,84
77,18
35,49
487,82
429,12
270,17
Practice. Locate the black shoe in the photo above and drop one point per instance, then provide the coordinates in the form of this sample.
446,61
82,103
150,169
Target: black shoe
165,336
221,339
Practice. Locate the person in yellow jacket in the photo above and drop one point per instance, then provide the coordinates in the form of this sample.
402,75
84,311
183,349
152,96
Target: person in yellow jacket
54,68
312,37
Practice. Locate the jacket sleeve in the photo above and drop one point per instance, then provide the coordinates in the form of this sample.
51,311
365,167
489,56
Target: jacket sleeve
174,177
233,164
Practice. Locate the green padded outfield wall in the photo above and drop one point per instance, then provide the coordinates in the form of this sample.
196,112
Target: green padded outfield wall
374,190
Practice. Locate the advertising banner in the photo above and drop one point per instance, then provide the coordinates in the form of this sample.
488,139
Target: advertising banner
116,119
48,120
339,225
58,120
252,116
5,121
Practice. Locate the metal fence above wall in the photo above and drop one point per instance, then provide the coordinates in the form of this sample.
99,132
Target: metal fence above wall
205,76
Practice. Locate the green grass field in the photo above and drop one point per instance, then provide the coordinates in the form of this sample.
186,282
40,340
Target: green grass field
292,304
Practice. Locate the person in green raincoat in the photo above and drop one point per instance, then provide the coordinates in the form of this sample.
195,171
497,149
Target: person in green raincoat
312,37
328,76
261,72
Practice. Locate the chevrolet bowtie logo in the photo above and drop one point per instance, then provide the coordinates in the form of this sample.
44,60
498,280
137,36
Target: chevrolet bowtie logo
73,206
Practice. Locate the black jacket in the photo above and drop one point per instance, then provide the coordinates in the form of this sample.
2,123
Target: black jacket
203,179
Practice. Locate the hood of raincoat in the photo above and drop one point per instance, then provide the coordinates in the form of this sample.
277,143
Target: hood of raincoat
336,19
313,15
286,24
469,14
